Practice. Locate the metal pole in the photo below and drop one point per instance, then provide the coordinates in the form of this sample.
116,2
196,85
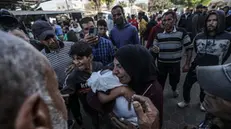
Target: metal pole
67,5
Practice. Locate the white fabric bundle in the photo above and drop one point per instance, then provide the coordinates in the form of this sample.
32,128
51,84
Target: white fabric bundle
105,80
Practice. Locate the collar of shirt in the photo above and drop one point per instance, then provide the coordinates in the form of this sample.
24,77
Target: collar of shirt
173,31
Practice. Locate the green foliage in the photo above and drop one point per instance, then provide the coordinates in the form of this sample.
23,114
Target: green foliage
123,4
143,6
190,3
98,3
90,6
156,5
108,3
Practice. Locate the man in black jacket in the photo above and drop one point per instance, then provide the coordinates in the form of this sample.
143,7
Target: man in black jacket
212,47
197,21
186,22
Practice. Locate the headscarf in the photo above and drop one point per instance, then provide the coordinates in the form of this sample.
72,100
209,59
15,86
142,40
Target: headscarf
138,63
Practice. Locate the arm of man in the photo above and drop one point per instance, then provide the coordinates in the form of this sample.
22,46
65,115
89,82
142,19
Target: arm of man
180,23
150,38
194,25
188,45
136,39
227,53
155,49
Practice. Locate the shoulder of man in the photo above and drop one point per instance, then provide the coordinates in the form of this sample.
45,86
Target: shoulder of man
181,29
133,29
226,35
200,35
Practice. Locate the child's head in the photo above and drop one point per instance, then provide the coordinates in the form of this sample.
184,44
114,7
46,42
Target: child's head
102,27
81,54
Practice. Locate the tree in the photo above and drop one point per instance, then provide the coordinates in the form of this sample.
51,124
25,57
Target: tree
190,3
21,4
157,5
123,4
143,6
90,6
108,3
97,5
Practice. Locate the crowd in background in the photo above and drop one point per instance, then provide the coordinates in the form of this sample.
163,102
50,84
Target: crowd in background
134,55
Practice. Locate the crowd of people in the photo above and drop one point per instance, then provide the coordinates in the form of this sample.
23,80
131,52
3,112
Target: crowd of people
114,69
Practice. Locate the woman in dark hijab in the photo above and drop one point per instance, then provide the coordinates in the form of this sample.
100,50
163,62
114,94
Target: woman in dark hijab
133,65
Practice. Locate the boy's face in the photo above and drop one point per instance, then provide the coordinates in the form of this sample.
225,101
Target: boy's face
102,30
82,62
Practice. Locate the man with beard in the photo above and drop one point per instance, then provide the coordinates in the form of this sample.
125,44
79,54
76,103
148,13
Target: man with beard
212,48
170,44
55,50
123,32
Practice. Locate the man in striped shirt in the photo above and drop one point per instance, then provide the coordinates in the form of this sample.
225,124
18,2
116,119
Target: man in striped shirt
55,50
169,46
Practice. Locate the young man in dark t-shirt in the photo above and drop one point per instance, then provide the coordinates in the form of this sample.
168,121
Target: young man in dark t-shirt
75,83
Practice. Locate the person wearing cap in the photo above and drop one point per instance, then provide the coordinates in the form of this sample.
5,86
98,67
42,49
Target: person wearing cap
9,23
216,82
212,47
55,50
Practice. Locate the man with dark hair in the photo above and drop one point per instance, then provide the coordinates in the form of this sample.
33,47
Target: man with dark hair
75,83
55,50
102,28
123,33
227,18
170,44
103,50
86,23
186,21
197,21
213,47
